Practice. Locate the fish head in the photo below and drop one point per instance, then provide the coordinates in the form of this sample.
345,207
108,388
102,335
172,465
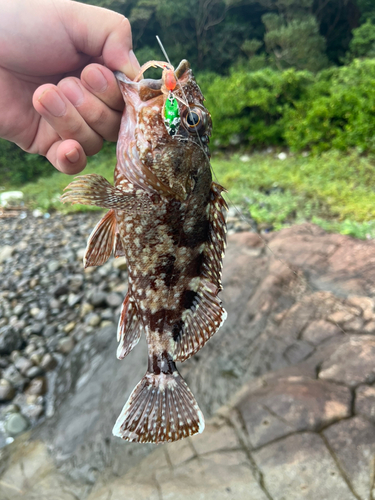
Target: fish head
145,139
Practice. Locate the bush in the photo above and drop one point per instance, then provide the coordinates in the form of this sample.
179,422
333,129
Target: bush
252,104
337,111
18,167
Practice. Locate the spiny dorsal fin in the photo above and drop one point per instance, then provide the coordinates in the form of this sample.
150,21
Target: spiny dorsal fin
129,328
206,316
100,243
200,322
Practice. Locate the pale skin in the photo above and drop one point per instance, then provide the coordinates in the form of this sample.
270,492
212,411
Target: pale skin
58,95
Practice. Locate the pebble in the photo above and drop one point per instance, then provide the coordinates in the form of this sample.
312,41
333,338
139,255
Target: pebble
34,371
49,330
74,299
23,364
53,266
65,345
120,263
15,424
6,251
10,339
7,391
37,387
48,362
114,299
92,319
98,298
69,327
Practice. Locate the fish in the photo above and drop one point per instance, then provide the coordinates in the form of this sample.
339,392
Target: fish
167,217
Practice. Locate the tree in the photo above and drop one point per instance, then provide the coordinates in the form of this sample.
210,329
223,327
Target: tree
363,41
295,43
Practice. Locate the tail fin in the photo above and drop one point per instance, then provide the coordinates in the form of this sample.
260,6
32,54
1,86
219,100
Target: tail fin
161,408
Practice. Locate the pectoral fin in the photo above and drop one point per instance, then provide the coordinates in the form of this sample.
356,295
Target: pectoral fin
93,189
101,241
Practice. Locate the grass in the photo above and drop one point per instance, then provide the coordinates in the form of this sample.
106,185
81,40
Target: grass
335,190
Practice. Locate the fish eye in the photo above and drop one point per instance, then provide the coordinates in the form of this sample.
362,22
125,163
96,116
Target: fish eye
194,119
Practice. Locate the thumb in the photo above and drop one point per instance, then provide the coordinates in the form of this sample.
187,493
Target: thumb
99,32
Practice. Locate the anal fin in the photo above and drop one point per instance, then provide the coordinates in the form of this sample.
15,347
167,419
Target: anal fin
129,328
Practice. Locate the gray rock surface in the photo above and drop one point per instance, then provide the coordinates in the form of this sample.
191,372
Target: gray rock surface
294,361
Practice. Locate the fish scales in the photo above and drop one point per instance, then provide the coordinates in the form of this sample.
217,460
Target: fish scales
167,217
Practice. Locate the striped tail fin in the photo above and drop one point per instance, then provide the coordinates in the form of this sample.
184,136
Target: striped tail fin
161,408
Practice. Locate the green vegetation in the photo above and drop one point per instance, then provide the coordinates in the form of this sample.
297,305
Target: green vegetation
332,189
297,75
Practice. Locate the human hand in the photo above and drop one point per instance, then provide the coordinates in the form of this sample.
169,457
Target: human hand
41,43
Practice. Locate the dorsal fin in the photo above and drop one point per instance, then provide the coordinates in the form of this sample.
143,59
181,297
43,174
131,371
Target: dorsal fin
129,328
206,316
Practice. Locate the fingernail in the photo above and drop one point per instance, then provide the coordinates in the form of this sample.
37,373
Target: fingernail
52,102
73,92
96,80
73,155
132,68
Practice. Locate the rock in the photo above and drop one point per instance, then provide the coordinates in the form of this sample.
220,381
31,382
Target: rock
14,377
29,349
107,314
319,331
114,300
34,311
292,405
69,327
105,323
53,266
10,340
92,319
282,156
6,252
36,387
65,345
86,308
353,443
12,408
7,391
61,289
33,412
352,363
49,330
341,317
36,357
365,402
290,468
98,298
36,328
74,299
16,424
34,371
23,364
80,253
120,264
18,309
48,362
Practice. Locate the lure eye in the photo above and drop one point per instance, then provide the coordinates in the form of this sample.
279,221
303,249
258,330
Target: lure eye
195,119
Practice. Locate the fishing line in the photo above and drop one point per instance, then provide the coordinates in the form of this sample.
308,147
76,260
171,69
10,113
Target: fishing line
230,202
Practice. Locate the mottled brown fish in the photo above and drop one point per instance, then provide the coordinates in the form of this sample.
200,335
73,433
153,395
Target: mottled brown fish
166,217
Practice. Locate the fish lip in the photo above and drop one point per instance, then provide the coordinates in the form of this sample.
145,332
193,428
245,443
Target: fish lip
146,82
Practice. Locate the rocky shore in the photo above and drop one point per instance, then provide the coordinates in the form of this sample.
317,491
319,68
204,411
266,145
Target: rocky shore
48,305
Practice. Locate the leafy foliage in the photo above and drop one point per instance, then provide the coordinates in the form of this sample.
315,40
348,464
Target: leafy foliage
363,41
18,167
336,112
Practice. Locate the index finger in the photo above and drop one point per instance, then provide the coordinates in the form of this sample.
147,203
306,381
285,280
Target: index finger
100,32
101,82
